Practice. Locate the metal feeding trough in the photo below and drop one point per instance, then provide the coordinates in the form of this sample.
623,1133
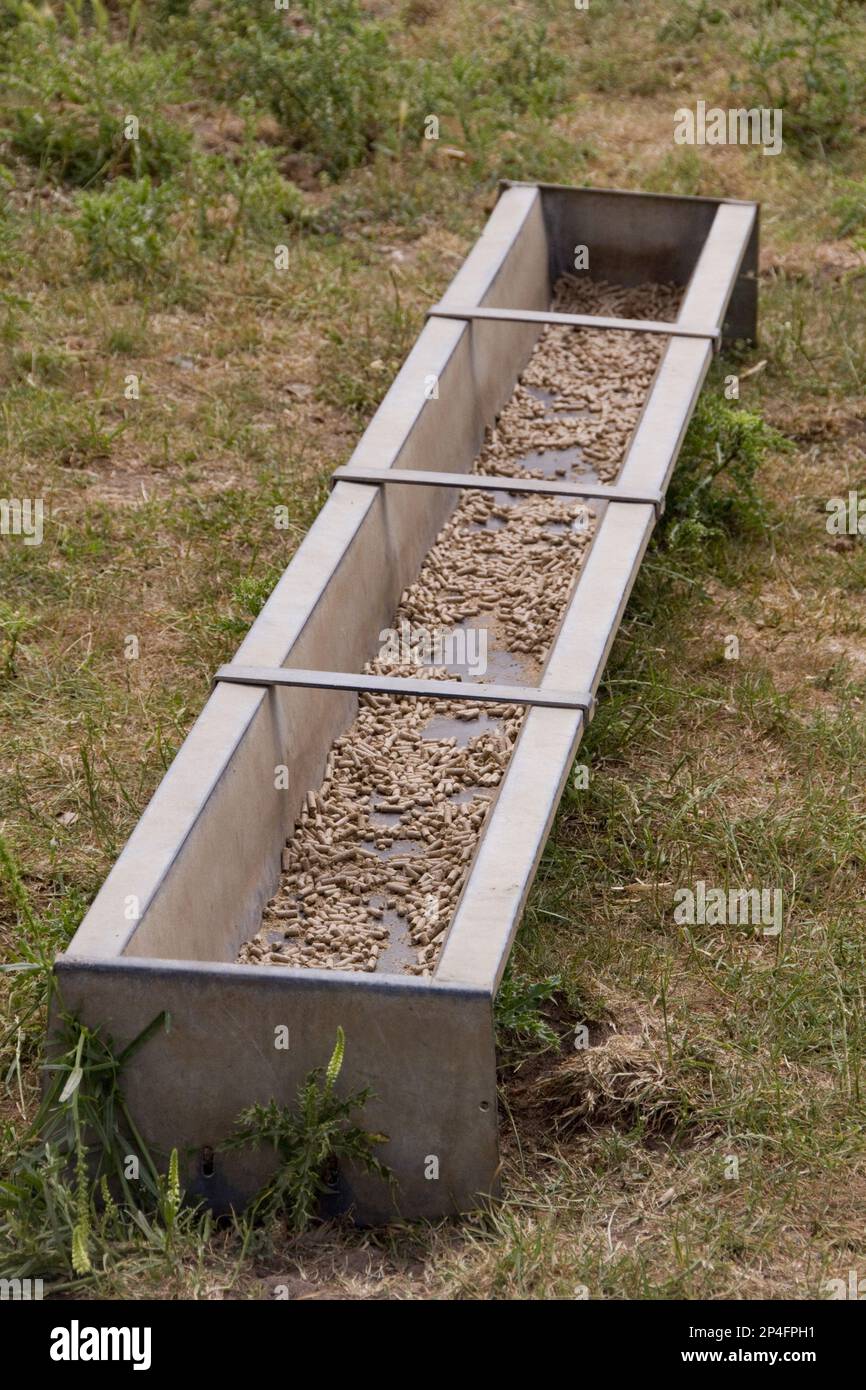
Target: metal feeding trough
191,884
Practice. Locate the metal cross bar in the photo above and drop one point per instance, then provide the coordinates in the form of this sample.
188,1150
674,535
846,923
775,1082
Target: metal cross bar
406,685
489,482
544,316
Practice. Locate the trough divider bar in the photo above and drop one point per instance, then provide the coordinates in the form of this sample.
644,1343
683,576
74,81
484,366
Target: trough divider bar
670,328
407,685
492,482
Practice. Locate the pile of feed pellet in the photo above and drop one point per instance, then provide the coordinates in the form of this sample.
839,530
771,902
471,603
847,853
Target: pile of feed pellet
384,845
380,853
596,382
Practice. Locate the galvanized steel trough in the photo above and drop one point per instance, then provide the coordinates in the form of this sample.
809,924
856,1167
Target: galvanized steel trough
192,881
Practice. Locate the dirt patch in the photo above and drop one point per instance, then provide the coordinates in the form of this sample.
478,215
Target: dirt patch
624,1072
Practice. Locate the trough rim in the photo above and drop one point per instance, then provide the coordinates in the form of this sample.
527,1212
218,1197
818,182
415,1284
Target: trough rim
442,339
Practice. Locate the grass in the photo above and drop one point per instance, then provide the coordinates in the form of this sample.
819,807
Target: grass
708,1142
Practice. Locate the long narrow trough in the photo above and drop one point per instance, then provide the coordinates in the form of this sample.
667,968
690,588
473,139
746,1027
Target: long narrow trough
348,835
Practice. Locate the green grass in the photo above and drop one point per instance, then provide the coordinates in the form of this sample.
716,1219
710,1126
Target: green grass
71,90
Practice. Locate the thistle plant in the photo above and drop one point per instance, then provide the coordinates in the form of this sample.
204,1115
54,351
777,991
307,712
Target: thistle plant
519,1012
310,1140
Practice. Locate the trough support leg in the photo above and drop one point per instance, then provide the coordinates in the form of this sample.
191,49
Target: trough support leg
741,320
